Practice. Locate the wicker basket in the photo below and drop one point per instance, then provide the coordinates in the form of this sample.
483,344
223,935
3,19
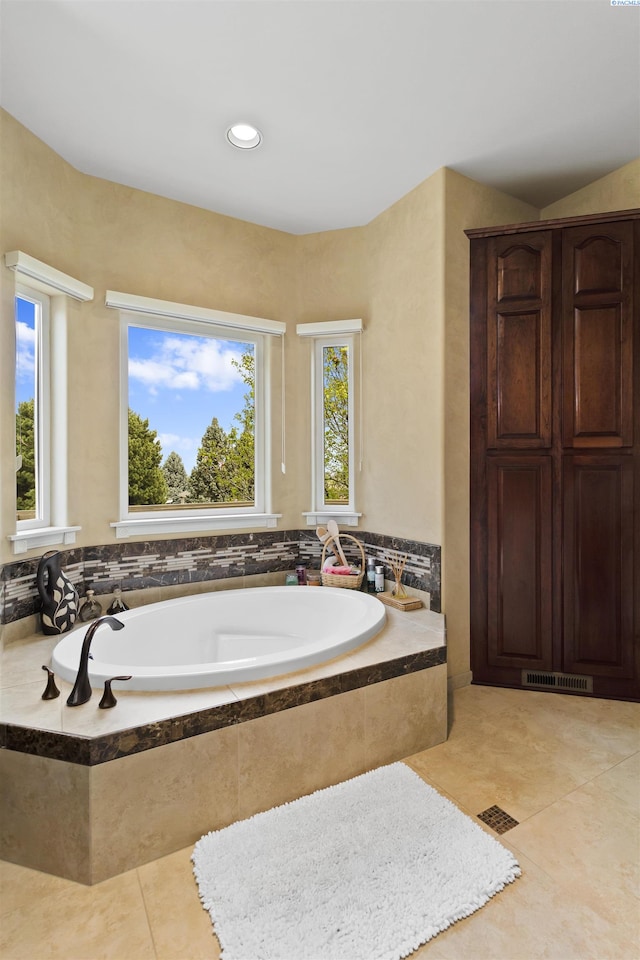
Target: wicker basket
350,581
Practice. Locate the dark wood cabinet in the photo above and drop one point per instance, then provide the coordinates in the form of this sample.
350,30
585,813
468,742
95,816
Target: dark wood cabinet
555,455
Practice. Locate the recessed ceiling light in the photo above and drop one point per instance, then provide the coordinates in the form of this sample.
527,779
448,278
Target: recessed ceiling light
244,135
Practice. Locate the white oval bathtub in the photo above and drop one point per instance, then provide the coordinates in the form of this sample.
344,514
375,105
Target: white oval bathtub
224,637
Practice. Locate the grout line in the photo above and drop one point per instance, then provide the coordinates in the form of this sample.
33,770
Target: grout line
146,913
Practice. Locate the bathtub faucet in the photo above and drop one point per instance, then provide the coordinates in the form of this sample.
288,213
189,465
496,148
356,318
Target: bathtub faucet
82,688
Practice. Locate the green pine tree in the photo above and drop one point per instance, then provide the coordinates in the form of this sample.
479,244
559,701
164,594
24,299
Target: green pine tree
25,447
241,457
176,478
209,479
147,485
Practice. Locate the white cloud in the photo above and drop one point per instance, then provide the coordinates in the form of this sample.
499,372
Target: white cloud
25,351
195,363
171,441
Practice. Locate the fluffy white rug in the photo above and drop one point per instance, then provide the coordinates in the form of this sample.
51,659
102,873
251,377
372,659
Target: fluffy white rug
369,869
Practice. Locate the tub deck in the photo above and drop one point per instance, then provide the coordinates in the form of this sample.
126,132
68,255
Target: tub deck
89,793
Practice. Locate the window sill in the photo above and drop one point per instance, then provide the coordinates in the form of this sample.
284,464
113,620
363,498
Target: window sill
347,517
133,527
42,537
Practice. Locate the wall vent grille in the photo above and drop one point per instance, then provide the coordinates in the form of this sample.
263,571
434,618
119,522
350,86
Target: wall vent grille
556,681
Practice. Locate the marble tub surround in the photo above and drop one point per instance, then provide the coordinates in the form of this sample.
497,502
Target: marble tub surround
141,720
88,794
149,565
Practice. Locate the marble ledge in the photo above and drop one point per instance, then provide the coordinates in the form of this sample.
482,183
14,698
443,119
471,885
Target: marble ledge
85,735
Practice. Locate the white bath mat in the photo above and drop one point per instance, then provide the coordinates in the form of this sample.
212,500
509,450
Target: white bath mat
367,870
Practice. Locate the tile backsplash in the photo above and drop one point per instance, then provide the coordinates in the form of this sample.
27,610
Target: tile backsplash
142,565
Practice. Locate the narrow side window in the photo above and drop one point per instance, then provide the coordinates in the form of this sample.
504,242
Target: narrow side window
32,406
335,424
333,427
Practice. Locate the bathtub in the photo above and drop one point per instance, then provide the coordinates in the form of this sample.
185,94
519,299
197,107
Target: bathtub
224,637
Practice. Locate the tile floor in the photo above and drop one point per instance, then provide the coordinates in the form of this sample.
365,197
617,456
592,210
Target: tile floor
566,768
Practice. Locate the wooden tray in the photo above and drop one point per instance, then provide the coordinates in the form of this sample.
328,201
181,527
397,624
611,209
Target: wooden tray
400,603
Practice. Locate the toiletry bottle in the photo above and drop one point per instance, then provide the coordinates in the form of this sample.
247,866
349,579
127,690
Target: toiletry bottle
90,609
117,604
379,579
371,575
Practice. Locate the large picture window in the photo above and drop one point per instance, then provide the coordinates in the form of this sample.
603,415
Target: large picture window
195,443
191,419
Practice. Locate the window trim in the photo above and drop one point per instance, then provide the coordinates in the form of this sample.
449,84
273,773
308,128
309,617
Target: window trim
199,321
35,278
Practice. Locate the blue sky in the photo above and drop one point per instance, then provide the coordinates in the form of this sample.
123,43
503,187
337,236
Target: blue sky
179,382
25,349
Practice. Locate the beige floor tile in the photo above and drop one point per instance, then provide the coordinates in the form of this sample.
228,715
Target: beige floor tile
623,782
181,928
105,922
531,919
542,723
497,770
20,886
525,749
583,837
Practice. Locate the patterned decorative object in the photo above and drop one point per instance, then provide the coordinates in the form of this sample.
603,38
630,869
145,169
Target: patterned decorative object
58,595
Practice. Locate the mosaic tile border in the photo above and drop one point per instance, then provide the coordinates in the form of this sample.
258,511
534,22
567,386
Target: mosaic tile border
146,564
91,751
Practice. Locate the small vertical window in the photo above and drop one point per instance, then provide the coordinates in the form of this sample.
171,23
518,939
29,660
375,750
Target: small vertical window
32,409
336,430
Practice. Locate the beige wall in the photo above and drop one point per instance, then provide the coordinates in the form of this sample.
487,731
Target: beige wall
113,237
405,274
390,274
619,190
468,204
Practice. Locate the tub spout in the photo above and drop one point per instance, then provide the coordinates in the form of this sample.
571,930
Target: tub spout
82,688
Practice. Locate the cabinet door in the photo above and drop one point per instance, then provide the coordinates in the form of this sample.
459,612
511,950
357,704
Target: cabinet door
598,565
519,562
597,308
519,342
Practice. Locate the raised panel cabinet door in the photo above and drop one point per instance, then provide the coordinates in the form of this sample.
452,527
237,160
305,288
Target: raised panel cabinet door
519,342
597,321
519,600
598,565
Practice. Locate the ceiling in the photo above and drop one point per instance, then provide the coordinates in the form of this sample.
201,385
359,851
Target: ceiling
358,100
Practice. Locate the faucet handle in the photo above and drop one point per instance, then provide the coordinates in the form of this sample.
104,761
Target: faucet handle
50,691
108,699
